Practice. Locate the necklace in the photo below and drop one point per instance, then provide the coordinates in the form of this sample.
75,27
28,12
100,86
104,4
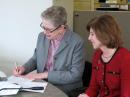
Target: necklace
110,54
106,57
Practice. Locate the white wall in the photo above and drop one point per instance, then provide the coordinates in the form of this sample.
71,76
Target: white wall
19,28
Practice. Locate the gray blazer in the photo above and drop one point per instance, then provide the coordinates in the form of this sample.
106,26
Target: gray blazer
68,61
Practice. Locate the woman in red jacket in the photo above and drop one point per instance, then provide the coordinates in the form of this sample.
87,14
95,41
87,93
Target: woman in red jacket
111,61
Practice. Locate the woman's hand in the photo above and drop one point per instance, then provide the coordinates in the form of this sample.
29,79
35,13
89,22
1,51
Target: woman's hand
83,95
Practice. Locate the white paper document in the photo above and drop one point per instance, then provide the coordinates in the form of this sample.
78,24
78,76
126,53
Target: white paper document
4,85
2,74
15,84
25,83
18,80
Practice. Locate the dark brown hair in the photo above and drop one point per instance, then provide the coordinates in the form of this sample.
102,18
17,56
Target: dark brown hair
107,30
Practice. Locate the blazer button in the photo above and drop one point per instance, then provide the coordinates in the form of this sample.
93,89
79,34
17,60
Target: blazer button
114,73
54,69
102,81
106,93
55,58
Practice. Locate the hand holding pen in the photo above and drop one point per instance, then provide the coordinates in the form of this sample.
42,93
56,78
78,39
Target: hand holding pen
18,70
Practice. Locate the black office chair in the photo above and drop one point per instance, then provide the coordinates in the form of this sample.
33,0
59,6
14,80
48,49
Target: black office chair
87,74
86,80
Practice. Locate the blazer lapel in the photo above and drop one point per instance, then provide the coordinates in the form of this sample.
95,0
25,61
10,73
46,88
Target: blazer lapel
64,42
45,52
61,47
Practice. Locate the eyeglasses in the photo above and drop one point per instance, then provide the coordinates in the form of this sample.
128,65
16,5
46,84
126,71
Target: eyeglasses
49,30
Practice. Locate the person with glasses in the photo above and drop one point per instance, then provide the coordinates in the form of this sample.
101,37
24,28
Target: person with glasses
59,54
111,61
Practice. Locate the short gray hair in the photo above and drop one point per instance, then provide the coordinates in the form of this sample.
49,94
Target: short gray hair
56,14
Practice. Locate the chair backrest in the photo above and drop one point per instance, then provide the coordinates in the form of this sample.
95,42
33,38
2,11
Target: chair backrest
87,74
86,79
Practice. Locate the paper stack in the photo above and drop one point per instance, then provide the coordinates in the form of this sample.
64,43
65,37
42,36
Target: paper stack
14,84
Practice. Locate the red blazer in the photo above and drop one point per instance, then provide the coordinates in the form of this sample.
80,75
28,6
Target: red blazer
111,79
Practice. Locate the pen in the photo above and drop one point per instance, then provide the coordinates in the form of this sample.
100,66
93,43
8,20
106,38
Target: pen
31,88
16,66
